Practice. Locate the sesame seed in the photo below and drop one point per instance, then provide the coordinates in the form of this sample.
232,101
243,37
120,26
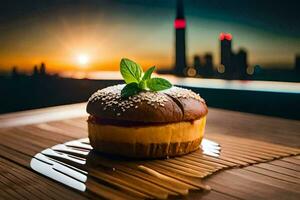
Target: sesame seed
111,97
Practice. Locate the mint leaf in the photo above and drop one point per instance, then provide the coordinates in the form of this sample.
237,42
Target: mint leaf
130,90
143,85
148,73
136,81
130,71
157,84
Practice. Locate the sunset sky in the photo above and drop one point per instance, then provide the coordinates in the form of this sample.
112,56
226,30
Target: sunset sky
96,34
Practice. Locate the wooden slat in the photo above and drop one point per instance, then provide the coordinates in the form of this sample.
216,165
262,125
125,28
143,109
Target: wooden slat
174,188
229,140
107,192
42,115
257,177
274,174
19,144
212,195
238,186
292,160
179,168
279,169
286,165
23,164
38,132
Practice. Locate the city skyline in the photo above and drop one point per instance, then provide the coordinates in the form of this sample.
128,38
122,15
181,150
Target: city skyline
62,39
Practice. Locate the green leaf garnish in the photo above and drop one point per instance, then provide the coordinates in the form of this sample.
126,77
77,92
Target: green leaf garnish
132,74
130,90
130,71
148,73
143,85
157,84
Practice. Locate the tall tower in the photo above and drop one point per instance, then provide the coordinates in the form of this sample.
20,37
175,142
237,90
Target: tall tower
226,53
297,63
180,24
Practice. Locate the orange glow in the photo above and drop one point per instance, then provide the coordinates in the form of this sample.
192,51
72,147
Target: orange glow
83,59
191,72
70,48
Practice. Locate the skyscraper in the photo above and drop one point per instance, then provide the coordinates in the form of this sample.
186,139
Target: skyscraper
241,64
297,63
226,53
180,24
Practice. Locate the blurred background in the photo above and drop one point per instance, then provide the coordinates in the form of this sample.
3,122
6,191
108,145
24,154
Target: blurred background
239,55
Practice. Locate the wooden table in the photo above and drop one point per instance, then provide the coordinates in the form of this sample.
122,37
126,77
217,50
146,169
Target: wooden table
24,134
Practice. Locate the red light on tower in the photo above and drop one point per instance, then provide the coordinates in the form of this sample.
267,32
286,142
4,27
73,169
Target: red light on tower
222,36
225,36
179,23
228,36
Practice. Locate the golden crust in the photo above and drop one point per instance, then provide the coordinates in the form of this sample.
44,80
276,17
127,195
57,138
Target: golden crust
162,150
156,141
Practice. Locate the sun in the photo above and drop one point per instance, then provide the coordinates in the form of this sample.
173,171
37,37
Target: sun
83,59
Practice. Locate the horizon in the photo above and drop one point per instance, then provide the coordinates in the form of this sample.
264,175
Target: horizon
60,33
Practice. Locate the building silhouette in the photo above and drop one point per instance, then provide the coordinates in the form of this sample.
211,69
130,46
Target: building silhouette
15,73
235,64
35,72
297,63
208,65
240,64
180,48
198,64
43,69
204,65
39,72
226,53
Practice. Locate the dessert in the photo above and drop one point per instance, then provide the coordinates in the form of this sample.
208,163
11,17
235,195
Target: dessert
146,124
